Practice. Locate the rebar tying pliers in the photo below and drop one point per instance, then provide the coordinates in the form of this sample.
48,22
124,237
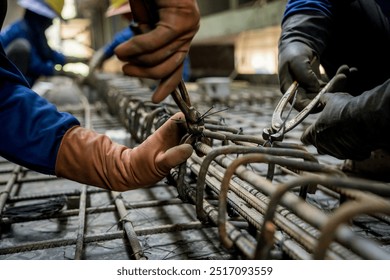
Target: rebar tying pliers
194,120
280,127
195,123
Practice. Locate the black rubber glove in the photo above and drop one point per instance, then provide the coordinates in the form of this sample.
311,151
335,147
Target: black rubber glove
301,43
3,11
352,127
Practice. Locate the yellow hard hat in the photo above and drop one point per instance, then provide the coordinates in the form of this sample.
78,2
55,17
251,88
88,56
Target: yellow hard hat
118,3
56,5
47,8
118,7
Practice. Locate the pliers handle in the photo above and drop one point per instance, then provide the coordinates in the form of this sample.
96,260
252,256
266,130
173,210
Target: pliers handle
279,127
195,123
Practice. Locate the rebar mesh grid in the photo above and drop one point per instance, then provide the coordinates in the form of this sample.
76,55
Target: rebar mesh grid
240,200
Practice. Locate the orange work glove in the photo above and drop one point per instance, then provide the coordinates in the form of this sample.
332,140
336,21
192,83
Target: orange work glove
91,158
160,51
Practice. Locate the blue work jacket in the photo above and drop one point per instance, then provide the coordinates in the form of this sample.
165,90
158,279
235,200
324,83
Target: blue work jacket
353,32
31,127
325,6
42,58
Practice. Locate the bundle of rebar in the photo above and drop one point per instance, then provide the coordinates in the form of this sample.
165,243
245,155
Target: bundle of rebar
271,190
247,198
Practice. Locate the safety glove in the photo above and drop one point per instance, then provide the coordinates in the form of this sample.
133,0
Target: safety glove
301,44
91,158
352,127
159,52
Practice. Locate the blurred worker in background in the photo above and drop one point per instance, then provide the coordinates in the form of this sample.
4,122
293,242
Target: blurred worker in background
25,42
355,121
122,7
35,135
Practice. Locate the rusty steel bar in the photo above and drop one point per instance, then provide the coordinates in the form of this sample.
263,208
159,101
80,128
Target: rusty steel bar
251,158
59,215
293,216
128,227
291,247
344,214
284,221
289,223
81,229
211,154
281,190
38,178
53,243
236,138
51,195
8,187
268,188
79,250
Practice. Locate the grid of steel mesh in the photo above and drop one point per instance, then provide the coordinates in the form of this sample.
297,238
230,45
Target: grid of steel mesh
241,200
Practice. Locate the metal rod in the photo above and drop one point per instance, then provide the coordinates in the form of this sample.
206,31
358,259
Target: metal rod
81,229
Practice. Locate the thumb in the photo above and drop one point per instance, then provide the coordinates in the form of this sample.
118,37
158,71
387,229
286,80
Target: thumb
170,133
173,157
338,84
309,135
324,99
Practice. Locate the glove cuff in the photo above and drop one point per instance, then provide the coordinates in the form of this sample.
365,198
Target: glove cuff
309,28
90,158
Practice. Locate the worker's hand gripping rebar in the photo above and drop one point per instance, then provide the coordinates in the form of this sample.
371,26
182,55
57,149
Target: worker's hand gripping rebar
195,122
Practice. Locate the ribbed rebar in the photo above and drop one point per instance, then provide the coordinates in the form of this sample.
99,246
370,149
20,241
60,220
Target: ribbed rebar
262,202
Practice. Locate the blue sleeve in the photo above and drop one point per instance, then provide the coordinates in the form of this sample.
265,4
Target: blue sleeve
38,66
120,37
32,127
9,34
44,67
297,6
187,69
59,58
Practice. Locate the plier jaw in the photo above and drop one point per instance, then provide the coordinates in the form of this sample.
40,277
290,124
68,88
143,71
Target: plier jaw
279,126
271,136
194,120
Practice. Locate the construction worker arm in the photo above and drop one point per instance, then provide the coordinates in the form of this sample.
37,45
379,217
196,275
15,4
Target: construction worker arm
32,127
305,30
103,163
39,137
352,127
